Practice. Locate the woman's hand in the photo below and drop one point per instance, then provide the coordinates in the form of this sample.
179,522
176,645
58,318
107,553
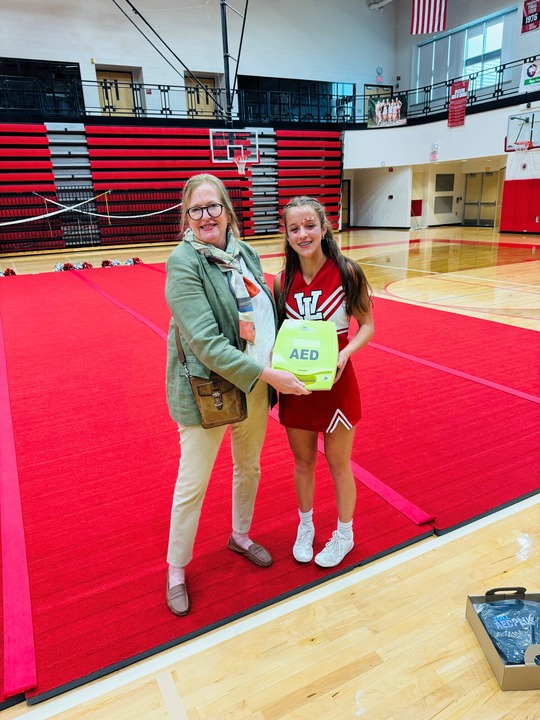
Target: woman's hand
343,359
284,382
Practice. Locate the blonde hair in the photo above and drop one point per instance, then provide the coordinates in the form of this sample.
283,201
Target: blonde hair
206,179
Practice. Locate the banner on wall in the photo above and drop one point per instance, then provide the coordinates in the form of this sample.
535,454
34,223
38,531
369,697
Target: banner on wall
531,13
387,111
530,77
458,103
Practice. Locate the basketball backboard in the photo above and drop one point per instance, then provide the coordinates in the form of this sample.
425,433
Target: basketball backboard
226,145
523,128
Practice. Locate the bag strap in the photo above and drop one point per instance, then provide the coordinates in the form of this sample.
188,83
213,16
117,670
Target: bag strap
216,390
181,355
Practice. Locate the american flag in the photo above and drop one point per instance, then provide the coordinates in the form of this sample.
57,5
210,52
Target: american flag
428,16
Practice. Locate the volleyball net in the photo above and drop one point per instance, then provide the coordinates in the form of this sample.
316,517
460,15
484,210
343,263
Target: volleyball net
71,217
79,217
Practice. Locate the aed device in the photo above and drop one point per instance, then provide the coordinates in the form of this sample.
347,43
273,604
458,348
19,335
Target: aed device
309,350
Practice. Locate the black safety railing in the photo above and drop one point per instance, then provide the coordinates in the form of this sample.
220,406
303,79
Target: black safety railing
29,96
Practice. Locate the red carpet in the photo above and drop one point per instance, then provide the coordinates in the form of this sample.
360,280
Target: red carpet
461,403
96,459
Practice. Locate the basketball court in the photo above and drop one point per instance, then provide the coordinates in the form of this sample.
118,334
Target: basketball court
477,273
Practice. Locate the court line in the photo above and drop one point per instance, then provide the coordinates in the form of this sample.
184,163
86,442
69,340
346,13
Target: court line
464,295
19,648
80,275
391,496
171,696
89,693
458,373
471,311
449,275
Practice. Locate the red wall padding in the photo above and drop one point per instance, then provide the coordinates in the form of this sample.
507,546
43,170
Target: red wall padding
520,210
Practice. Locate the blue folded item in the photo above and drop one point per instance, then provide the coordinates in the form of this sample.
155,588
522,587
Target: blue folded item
512,625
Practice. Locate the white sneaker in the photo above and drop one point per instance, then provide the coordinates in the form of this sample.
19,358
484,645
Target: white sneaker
303,546
335,550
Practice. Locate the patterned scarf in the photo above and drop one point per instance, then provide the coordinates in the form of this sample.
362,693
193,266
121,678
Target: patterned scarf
228,261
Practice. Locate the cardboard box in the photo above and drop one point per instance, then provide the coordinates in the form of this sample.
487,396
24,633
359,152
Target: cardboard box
510,677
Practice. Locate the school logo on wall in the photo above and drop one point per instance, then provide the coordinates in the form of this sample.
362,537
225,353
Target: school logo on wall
530,76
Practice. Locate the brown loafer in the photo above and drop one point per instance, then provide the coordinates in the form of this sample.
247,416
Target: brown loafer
255,552
177,598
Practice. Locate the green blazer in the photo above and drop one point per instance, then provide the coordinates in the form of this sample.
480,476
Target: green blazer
205,311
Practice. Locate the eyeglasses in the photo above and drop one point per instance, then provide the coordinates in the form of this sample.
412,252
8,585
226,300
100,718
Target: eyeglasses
214,210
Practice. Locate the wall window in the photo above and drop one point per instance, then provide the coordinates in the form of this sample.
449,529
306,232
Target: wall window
444,183
270,99
483,50
443,204
478,47
41,85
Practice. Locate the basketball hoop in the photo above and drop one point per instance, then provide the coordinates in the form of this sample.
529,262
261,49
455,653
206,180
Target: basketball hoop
241,160
522,145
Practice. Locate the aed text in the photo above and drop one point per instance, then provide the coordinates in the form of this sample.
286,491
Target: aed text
304,354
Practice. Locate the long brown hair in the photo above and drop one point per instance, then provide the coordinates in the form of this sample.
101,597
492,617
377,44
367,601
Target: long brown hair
196,181
355,284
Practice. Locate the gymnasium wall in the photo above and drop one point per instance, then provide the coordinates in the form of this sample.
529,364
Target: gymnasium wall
371,159
482,136
317,40
341,41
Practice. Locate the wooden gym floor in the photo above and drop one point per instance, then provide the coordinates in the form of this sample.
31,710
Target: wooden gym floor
388,641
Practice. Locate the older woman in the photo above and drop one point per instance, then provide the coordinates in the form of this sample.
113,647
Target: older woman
226,319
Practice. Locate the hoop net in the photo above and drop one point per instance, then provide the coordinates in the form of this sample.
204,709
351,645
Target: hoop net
522,145
241,160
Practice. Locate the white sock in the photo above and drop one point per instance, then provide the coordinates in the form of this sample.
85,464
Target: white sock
345,529
242,539
306,518
177,575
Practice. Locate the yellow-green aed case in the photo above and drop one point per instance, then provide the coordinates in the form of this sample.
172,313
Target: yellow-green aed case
308,349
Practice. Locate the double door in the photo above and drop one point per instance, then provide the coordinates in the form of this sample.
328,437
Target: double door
480,201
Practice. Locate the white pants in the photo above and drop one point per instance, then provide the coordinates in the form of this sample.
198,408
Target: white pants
199,449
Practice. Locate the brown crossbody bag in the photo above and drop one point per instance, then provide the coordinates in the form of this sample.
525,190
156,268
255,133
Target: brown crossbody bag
219,401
